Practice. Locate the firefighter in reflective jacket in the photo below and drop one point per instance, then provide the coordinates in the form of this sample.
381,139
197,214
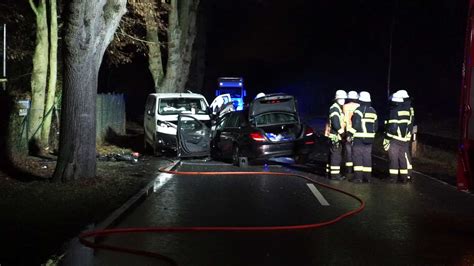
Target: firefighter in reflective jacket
408,105
335,134
397,138
348,109
364,127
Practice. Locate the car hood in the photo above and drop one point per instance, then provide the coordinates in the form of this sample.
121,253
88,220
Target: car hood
272,103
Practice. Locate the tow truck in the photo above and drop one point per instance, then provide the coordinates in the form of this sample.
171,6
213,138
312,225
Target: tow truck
235,87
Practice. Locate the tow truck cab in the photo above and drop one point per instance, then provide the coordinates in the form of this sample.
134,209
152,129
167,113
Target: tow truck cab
235,87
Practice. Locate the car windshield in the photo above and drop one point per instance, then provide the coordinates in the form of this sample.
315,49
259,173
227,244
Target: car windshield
275,118
173,106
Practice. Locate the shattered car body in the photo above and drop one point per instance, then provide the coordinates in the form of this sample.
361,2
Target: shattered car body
162,112
269,128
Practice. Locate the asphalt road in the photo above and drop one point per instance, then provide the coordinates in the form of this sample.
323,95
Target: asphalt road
424,222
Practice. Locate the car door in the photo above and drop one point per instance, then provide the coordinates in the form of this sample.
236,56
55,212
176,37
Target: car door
219,103
228,134
193,137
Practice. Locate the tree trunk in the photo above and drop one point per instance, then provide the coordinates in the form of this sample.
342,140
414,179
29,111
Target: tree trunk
198,63
188,29
53,74
174,36
40,72
181,35
89,29
155,63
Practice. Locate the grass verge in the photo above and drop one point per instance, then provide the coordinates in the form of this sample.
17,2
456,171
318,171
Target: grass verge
38,217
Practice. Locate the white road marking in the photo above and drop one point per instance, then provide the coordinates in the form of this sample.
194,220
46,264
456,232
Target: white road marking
318,195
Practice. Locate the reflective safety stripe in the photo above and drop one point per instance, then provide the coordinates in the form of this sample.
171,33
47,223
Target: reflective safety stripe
412,114
337,107
364,135
367,169
335,172
335,114
335,167
352,130
371,115
349,164
334,136
341,130
368,120
409,165
358,168
393,171
397,137
404,171
399,121
401,113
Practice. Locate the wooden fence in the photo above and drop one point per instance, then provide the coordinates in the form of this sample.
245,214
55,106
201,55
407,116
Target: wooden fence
110,116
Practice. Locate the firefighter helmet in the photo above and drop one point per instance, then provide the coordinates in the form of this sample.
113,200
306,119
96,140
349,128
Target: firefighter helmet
341,94
402,94
353,95
364,97
396,98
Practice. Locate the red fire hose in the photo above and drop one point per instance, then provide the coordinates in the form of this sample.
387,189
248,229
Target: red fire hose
107,232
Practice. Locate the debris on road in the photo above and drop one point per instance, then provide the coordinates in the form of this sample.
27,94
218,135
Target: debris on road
120,157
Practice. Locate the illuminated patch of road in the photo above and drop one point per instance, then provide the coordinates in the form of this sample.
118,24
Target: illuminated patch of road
162,179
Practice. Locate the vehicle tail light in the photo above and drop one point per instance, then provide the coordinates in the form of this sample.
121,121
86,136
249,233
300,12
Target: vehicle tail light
309,132
309,142
257,136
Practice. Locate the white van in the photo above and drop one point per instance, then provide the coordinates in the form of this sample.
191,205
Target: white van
161,117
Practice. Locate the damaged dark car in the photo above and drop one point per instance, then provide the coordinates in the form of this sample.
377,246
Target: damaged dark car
270,127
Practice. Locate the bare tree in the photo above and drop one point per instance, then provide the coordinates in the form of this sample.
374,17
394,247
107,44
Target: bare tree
90,27
53,73
181,36
170,30
40,71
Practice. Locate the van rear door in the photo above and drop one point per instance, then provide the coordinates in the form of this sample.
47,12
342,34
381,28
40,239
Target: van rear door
193,137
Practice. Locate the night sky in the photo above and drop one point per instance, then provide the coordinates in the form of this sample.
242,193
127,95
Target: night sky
312,48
